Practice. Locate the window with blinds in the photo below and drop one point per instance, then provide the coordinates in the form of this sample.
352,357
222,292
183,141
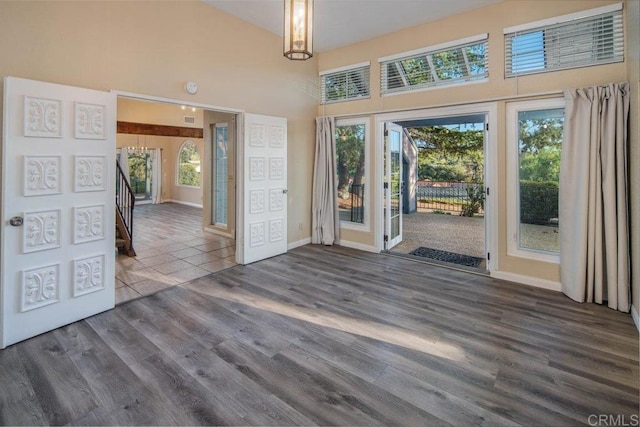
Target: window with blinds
592,37
344,84
446,64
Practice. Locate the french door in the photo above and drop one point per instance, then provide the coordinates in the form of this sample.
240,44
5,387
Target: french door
393,185
58,214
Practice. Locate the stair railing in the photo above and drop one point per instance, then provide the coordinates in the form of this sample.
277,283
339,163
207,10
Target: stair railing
125,201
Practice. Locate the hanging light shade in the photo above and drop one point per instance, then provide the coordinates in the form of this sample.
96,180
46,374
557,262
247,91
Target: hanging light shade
298,29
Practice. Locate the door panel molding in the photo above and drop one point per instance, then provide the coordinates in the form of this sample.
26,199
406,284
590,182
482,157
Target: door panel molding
57,263
262,168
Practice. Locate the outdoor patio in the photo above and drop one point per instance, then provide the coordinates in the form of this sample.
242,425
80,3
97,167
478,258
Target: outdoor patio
465,235
452,233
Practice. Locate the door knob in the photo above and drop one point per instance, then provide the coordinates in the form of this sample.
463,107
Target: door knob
16,221
285,191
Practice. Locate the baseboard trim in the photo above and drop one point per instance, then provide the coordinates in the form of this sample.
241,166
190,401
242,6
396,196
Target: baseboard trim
359,246
634,315
180,202
527,280
298,243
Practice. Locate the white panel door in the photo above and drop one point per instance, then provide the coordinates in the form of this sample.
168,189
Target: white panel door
393,185
58,213
265,187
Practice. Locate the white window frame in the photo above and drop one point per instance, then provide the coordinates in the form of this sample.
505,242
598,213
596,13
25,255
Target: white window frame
366,224
345,70
178,165
513,177
547,24
428,52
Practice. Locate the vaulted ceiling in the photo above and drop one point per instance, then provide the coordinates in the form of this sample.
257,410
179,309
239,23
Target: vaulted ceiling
340,23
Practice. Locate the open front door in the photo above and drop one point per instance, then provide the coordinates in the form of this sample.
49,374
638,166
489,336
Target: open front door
265,188
58,206
393,185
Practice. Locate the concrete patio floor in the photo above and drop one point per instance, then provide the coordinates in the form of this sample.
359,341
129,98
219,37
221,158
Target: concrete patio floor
464,235
452,233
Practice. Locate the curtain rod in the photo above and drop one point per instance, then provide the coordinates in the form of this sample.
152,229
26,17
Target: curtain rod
453,104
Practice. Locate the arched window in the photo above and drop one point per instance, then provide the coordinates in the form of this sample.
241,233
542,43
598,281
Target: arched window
189,165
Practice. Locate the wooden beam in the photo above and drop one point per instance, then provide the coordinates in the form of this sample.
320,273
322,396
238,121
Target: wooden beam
158,130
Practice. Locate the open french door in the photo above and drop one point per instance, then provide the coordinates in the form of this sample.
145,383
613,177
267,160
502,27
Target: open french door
393,185
58,193
265,188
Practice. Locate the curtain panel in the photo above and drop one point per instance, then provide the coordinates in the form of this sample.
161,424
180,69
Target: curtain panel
156,177
124,163
594,227
325,222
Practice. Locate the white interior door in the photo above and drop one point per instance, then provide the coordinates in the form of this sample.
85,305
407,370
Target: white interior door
265,187
58,195
393,185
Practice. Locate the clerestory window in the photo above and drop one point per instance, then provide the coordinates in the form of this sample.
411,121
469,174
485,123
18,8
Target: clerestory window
447,64
346,83
582,39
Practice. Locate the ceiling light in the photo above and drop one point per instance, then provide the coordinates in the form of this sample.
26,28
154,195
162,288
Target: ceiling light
298,29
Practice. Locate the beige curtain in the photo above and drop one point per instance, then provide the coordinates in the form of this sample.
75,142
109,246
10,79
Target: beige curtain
594,230
124,163
325,223
156,176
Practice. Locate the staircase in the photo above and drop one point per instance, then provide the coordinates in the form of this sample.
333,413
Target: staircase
124,214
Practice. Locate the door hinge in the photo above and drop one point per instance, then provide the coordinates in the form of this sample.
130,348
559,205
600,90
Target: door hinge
487,191
386,132
386,238
385,185
486,126
488,256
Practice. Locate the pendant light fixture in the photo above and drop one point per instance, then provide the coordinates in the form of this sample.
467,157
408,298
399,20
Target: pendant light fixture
298,29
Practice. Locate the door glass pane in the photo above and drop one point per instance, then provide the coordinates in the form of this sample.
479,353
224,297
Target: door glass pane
540,143
395,146
220,176
350,167
395,226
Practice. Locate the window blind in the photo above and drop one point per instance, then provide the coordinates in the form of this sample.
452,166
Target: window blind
583,42
453,64
345,84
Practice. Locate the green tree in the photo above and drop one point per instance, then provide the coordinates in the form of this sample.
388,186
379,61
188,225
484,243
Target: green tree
440,170
189,159
139,169
189,175
540,141
449,153
350,154
541,166
538,134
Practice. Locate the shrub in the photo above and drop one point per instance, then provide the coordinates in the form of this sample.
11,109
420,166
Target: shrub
475,192
538,202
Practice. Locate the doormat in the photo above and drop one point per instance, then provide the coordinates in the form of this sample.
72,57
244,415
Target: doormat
438,255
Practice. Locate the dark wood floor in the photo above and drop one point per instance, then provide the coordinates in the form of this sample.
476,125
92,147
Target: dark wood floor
330,336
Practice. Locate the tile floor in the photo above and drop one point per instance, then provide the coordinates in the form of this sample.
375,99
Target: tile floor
171,249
